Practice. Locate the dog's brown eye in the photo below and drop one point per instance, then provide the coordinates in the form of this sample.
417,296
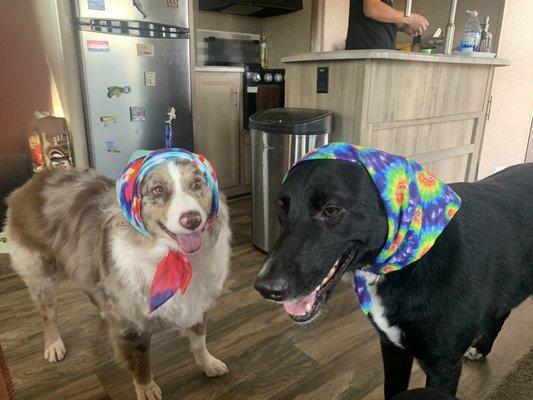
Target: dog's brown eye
331,211
196,184
280,209
158,191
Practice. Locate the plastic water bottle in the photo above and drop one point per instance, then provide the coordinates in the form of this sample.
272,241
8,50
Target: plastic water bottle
472,34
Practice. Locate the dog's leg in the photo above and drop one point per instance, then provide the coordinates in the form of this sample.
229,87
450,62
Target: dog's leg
483,345
444,375
41,276
134,349
209,364
44,294
397,365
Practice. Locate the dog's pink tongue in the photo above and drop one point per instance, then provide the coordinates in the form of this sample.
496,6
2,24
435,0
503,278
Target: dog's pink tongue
299,308
190,242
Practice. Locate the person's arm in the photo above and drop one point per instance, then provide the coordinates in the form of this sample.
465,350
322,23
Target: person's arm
415,24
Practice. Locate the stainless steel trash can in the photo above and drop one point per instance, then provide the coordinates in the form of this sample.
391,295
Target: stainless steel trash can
280,137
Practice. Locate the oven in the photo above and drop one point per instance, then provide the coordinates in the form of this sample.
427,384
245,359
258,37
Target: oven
263,89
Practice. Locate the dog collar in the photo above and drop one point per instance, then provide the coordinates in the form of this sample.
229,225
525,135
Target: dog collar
174,271
417,204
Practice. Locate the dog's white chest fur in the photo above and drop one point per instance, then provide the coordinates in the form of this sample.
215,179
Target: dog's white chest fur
379,315
135,269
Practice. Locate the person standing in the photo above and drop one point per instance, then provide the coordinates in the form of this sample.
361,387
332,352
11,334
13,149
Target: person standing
373,24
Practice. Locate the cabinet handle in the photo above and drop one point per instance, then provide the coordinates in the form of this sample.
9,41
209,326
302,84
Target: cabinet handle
236,105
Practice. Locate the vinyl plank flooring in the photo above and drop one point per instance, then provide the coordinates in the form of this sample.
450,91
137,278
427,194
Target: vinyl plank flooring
269,357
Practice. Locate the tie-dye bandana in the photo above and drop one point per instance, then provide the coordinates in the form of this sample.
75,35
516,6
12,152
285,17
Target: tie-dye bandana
173,272
418,207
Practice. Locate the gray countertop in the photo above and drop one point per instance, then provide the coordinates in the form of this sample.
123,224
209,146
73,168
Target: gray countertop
392,55
218,69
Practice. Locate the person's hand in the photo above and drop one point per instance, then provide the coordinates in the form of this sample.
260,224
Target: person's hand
405,29
416,23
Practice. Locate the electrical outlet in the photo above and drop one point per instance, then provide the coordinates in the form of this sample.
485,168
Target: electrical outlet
149,78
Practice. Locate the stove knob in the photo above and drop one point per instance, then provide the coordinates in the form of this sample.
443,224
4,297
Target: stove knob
256,77
268,77
278,78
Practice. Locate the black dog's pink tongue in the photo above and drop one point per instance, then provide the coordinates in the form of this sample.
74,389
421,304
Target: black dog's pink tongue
190,242
300,307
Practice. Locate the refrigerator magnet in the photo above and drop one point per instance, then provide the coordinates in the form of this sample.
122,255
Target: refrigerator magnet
108,119
138,5
117,91
97,5
145,50
173,3
149,78
137,114
111,146
98,46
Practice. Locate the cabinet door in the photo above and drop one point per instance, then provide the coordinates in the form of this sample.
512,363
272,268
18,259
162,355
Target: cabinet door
216,123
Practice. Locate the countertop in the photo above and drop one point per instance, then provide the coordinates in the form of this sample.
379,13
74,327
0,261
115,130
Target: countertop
393,55
218,69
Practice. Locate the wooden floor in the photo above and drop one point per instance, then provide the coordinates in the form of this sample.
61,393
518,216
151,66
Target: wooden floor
268,356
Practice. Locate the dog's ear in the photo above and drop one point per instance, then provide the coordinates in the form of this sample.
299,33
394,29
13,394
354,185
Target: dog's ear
222,219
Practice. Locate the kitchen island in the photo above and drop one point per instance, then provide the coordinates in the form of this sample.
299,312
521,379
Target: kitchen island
428,107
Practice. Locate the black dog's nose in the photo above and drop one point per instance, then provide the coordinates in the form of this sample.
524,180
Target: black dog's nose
273,289
191,220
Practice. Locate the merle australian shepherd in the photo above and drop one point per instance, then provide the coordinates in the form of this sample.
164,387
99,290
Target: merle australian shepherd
67,224
452,301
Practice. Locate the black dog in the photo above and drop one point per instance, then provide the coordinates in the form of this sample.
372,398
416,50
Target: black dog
458,295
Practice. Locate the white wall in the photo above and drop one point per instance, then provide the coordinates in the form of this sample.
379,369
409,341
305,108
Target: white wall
507,131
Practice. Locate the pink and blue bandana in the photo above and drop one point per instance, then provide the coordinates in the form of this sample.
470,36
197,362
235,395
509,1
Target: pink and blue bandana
418,206
173,272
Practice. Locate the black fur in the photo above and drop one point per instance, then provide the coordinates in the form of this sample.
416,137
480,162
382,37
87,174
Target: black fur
479,269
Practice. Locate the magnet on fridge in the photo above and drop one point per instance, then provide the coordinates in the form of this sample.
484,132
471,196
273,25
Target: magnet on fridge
173,3
149,78
117,91
138,5
101,46
145,49
97,5
111,146
137,114
108,119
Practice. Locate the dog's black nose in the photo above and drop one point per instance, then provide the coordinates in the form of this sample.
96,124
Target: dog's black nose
191,220
273,289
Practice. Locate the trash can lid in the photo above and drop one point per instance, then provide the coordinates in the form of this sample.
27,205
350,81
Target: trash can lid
293,121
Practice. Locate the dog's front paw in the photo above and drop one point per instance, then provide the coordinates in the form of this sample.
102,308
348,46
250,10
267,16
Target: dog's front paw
214,367
150,391
55,351
473,354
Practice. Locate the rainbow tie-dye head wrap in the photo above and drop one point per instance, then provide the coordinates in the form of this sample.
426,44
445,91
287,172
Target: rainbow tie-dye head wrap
140,163
418,207
174,271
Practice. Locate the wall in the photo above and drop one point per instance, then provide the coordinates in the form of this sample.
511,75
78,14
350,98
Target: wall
437,13
336,24
24,76
288,34
508,130
225,22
